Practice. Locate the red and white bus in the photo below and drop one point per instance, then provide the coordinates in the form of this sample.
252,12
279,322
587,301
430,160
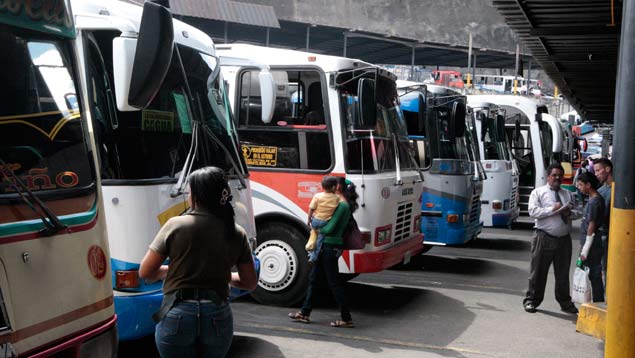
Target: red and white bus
335,116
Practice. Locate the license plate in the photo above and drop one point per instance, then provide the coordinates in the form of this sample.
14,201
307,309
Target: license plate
406,258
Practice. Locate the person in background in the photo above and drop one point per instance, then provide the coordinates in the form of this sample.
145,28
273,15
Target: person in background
604,172
552,209
326,267
591,252
583,169
195,319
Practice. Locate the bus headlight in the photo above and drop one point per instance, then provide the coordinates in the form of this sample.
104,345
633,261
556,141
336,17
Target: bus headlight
127,279
383,235
497,204
452,218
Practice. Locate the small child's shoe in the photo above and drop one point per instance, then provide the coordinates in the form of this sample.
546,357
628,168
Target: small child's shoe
310,245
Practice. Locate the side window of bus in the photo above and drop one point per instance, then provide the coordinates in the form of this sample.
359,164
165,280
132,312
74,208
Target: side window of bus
298,127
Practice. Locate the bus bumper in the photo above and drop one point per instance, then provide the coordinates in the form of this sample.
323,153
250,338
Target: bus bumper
134,312
380,260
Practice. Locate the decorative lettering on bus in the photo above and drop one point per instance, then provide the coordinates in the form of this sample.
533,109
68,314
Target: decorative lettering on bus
39,179
157,121
260,156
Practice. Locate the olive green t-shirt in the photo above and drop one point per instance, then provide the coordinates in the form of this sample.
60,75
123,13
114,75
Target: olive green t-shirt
200,254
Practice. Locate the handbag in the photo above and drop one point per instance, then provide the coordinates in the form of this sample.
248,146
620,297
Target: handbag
581,291
352,239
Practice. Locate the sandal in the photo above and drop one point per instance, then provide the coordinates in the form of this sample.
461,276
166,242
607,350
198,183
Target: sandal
343,324
299,317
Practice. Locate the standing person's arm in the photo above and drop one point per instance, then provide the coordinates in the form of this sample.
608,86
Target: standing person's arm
595,213
340,217
246,278
151,267
536,210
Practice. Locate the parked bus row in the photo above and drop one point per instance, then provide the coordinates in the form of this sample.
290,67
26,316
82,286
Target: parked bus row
106,112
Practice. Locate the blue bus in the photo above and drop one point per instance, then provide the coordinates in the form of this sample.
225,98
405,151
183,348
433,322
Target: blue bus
443,139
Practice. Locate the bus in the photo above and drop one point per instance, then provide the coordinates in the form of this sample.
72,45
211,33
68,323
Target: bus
505,84
55,285
150,140
500,190
535,139
442,138
448,78
332,116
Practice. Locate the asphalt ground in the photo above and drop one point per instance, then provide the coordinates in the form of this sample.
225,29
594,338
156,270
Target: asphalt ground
450,302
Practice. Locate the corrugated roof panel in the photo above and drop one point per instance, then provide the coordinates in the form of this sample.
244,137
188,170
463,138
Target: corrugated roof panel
230,11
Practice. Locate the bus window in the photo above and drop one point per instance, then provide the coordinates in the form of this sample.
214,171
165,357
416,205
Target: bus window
298,128
41,133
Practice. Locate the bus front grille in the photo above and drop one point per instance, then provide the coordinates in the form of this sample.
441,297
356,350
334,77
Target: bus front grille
404,222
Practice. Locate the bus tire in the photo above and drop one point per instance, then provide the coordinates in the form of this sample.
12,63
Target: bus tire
284,268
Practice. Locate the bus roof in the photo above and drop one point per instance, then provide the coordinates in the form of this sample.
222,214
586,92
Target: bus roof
126,17
284,57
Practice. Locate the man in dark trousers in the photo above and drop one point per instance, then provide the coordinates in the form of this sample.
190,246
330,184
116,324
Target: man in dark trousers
553,209
604,172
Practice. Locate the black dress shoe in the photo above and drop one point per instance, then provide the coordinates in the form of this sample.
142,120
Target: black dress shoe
529,307
570,309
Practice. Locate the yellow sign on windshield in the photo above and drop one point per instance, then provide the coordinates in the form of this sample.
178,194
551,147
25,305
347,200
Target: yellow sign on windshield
260,156
157,121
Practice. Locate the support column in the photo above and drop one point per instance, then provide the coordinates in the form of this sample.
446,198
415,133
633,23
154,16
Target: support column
474,71
345,44
469,60
225,32
412,64
620,324
267,39
308,36
515,84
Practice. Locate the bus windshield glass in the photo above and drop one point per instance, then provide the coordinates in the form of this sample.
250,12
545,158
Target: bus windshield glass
495,147
442,144
41,134
385,147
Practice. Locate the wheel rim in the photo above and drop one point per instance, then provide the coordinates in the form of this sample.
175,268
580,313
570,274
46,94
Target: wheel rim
278,265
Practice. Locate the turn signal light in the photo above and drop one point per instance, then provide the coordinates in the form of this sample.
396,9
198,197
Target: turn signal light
429,205
453,218
497,204
127,279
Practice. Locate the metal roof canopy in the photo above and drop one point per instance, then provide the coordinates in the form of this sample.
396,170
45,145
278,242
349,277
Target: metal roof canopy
366,46
230,11
576,43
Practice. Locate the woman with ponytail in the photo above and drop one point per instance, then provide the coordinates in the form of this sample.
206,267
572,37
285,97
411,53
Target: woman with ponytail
202,245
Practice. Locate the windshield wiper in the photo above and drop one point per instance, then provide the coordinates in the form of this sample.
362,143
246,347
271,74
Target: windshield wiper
52,223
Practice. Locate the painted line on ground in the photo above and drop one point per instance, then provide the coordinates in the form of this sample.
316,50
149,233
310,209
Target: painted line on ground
393,342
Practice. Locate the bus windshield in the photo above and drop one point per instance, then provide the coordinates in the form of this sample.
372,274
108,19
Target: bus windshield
383,148
442,145
495,147
41,134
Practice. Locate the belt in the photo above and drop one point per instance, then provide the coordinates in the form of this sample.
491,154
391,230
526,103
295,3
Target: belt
199,294
548,234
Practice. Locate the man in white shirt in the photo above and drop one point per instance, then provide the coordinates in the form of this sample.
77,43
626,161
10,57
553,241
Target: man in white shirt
553,208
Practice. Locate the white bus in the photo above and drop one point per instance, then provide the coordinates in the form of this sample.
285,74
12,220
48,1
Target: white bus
335,116
149,140
535,139
55,285
505,84
499,201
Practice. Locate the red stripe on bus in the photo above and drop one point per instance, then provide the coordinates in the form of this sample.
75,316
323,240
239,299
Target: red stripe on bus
35,235
68,317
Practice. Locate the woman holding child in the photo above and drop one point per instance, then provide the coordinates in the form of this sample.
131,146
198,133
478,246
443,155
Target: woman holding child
326,266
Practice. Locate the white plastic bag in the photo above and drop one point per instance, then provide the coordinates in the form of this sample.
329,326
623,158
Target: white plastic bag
581,291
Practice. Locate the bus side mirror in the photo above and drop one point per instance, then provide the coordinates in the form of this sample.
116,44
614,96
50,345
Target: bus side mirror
367,103
457,119
141,65
421,114
500,127
267,95
484,126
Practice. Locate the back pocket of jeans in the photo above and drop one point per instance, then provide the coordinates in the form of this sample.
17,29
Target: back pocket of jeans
223,326
170,325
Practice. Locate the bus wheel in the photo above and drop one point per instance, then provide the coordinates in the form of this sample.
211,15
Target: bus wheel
284,268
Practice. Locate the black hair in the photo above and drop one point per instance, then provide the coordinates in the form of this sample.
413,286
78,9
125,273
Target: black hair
329,183
553,166
349,192
210,191
605,162
589,178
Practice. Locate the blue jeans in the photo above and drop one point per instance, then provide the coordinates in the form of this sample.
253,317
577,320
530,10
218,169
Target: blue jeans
594,262
317,224
194,329
326,268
